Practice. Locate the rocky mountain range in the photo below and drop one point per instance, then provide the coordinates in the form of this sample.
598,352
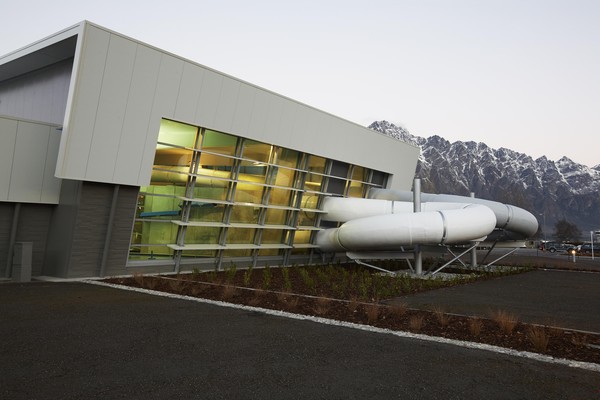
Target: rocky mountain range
551,190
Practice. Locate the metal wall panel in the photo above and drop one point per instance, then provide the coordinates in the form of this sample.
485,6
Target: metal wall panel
77,140
194,94
136,124
29,162
227,101
211,90
244,108
27,159
260,111
51,184
273,116
189,92
40,95
112,105
165,98
282,134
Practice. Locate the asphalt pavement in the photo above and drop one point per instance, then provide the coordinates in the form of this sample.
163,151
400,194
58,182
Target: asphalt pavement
566,299
80,341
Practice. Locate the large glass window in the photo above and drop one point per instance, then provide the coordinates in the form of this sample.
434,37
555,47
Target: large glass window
215,195
207,212
217,142
275,216
244,214
257,152
202,235
176,134
282,177
316,171
248,193
280,197
286,157
240,235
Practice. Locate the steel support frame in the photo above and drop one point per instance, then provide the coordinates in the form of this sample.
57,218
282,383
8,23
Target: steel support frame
374,267
456,257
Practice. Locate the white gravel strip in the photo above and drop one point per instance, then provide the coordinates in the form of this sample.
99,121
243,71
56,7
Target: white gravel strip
326,321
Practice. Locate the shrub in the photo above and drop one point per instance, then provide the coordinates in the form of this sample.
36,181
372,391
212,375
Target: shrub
266,277
308,281
399,309
248,276
415,322
372,311
538,337
506,321
231,271
441,316
475,326
321,305
287,282
228,292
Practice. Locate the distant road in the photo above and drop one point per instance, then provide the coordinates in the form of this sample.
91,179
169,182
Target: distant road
538,258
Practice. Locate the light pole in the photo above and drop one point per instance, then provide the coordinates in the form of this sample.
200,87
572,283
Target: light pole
592,242
543,215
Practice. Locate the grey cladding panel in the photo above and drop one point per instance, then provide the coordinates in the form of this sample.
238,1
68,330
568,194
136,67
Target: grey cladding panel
112,106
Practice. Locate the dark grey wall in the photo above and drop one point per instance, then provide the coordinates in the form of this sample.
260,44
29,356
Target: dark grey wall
61,229
6,213
79,230
121,232
34,220
32,226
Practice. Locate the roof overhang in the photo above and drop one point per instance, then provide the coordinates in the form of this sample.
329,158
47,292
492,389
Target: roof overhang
38,55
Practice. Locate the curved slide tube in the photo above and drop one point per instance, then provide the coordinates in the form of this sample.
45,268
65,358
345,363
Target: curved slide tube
520,223
381,225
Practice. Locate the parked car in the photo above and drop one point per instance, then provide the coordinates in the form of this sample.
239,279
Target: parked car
556,246
586,248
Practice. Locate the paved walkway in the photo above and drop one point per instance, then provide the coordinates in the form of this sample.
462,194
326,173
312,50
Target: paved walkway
75,340
560,298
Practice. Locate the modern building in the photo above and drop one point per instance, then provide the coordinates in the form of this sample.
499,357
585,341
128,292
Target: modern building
117,157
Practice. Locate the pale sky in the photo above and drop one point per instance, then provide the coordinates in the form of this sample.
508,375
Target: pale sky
520,74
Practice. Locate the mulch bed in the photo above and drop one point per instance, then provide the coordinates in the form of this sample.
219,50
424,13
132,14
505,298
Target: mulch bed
324,300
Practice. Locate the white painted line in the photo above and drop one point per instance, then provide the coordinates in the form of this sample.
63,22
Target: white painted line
368,328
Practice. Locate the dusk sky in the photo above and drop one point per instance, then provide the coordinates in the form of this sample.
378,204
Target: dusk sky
520,74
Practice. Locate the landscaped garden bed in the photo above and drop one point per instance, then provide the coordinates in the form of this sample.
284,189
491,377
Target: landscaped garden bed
358,294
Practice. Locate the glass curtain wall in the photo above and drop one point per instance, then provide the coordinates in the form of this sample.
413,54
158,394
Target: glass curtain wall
217,198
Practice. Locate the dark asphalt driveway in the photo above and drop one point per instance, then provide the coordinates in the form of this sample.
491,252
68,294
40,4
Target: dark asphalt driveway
568,299
80,341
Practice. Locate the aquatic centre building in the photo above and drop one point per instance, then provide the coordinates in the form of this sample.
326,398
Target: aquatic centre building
117,157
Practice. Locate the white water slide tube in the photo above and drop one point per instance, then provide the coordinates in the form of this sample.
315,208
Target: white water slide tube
384,224
520,223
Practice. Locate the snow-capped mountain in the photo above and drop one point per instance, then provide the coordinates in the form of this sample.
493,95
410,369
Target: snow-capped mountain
551,190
